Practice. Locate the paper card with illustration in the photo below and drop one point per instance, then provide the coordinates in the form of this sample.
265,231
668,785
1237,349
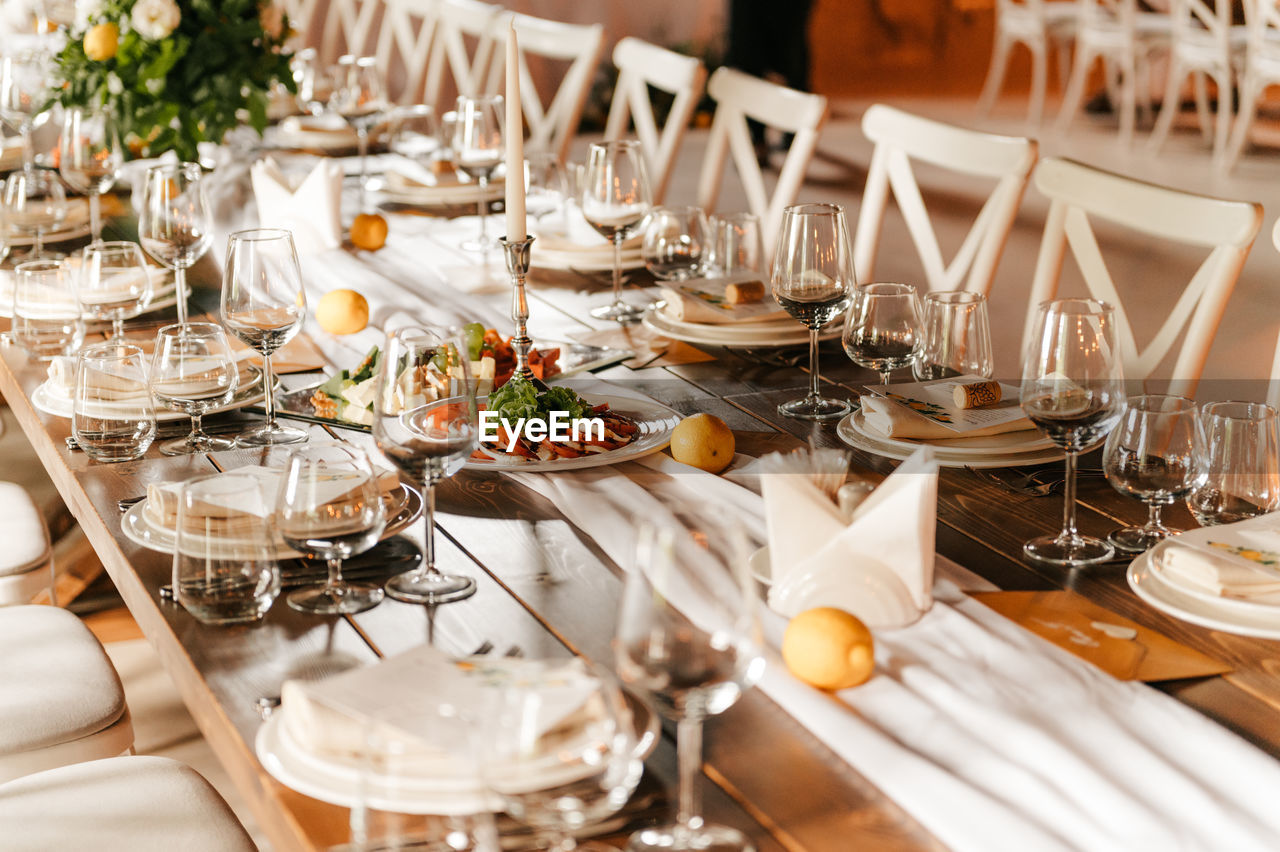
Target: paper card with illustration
936,400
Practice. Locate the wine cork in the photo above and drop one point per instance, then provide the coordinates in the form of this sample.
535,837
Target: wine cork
976,394
742,292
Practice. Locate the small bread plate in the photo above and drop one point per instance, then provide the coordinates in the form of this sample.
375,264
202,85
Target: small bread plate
786,332
1232,615
1012,449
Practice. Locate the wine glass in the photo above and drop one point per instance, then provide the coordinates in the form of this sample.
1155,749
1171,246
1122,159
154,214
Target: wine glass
1156,454
675,243
813,278
175,225
315,86
193,371
263,304
89,157
883,331
35,204
477,151
25,87
688,635
115,283
1242,440
736,246
615,201
414,133
546,187
1073,391
329,507
428,441
359,97
957,337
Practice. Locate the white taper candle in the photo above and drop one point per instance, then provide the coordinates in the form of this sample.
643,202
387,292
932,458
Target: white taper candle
516,225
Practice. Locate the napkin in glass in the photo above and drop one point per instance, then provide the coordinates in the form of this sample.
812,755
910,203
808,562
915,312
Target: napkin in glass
312,209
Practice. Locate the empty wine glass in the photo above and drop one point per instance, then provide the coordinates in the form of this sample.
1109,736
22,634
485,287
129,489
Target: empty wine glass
35,204
1242,463
546,187
813,278
115,283
175,225
429,440
113,416
330,507
883,331
25,88
264,305
315,85
359,96
46,315
956,337
1073,391
615,201
675,243
1156,454
736,246
90,156
477,152
414,133
193,371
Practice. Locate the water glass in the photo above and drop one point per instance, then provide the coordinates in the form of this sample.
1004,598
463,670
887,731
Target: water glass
224,558
46,314
115,283
113,416
957,337
675,243
35,204
193,371
1243,463
736,245
90,156
884,328
175,225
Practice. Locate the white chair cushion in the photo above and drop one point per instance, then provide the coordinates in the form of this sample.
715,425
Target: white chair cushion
56,682
22,531
139,804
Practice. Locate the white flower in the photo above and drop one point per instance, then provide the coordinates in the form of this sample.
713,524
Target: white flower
114,84
86,11
155,19
272,20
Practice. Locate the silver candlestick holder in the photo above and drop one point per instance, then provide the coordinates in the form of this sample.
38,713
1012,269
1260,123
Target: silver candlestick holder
517,254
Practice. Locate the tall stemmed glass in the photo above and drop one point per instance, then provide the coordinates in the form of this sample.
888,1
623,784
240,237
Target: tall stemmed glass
688,634
813,278
428,442
175,225
263,304
359,97
35,203
89,157
884,329
1073,391
616,198
115,283
477,151
329,507
193,371
25,83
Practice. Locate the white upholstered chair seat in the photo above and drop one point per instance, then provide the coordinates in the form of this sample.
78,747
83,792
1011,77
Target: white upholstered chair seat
139,804
25,558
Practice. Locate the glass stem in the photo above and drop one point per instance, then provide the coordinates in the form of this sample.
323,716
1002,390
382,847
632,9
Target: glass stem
1069,498
617,269
689,761
813,363
335,574
1153,516
28,150
482,210
269,398
884,379
180,282
95,216
38,244
362,139
117,328
429,528
197,429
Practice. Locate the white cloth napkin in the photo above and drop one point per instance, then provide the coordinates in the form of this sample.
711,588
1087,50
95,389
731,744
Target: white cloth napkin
892,420
570,232
702,300
312,210
1240,560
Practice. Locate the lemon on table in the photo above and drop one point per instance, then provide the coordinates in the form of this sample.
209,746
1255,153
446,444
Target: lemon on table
101,42
342,312
369,232
703,441
828,648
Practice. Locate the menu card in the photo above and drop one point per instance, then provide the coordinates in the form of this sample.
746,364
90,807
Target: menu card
934,400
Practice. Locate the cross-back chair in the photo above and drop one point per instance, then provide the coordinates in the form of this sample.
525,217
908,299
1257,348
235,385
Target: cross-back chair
1038,25
405,38
466,33
348,28
1261,71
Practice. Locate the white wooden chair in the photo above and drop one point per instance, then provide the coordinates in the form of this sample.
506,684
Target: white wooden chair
553,124
1204,42
302,20
738,97
26,561
465,46
641,65
405,38
348,28
899,138
1261,71
1227,228
1038,25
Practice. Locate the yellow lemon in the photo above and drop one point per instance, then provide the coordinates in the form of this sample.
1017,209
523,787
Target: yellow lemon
101,41
704,442
342,312
369,232
828,648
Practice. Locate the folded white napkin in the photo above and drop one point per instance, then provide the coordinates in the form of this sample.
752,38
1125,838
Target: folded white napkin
333,128
312,210
1240,560
571,232
702,300
888,418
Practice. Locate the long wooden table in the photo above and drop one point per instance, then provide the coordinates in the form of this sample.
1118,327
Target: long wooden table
546,588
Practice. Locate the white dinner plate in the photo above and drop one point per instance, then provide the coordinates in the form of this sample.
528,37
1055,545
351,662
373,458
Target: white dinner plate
1004,444
854,433
164,296
75,226
53,401
1207,611
776,333
449,191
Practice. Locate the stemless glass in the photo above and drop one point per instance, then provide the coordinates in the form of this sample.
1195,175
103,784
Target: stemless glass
263,304
89,157
1073,391
25,87
115,283
813,278
359,97
175,225
675,243
1242,463
477,152
35,204
113,416
615,201
691,668
224,559
736,244
428,442
46,315
193,371
883,331
1156,454
330,507
957,337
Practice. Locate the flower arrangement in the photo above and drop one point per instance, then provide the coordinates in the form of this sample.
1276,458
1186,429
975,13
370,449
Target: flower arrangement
175,72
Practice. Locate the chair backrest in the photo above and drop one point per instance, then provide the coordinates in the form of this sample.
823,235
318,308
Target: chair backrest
1263,18
405,39
899,138
1203,21
641,65
552,124
1228,228
302,20
348,28
738,97
460,22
